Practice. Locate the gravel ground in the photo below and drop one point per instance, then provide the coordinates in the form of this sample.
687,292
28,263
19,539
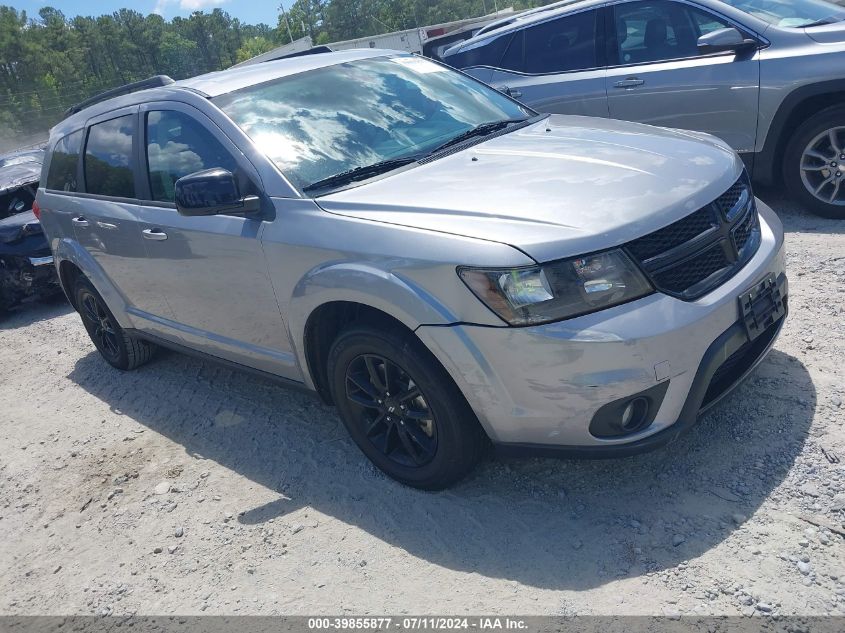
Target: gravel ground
187,488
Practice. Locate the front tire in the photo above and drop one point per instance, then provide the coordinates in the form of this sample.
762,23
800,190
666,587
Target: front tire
402,408
118,348
814,164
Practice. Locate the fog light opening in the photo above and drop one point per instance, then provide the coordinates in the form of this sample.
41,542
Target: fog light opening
634,415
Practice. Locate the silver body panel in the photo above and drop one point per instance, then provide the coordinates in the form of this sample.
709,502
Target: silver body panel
243,289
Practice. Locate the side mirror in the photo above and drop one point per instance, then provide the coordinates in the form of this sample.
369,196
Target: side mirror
724,40
211,192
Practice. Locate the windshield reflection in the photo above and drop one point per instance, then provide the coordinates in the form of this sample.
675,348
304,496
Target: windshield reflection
330,120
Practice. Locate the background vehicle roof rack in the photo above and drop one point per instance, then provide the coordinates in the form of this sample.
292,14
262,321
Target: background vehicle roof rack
311,51
152,82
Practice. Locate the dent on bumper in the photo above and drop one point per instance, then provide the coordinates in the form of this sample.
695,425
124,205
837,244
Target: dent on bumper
541,386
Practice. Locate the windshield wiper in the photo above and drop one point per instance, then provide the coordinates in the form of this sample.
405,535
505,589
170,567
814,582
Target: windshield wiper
362,173
483,129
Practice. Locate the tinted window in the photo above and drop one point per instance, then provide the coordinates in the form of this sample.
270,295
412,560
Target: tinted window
64,162
177,145
561,45
108,158
319,123
514,57
486,53
658,31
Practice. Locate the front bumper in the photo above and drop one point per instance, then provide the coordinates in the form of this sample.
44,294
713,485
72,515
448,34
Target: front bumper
539,388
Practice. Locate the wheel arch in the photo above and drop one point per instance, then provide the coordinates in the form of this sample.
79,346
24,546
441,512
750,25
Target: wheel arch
800,104
331,297
73,260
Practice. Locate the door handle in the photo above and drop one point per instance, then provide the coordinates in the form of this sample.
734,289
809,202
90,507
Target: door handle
156,235
511,93
630,82
80,221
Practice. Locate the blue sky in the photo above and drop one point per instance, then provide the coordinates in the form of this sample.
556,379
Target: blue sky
250,11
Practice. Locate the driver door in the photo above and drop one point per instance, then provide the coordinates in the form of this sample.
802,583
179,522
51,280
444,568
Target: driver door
211,269
657,75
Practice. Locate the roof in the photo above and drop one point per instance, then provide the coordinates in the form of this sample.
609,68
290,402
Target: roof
231,79
221,82
531,16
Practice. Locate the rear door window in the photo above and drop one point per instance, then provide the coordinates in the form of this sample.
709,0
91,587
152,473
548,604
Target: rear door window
178,145
64,163
108,158
565,44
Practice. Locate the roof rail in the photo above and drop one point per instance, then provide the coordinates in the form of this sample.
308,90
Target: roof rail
316,50
152,82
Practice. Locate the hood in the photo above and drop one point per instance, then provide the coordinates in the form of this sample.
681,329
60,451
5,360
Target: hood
19,226
15,176
561,187
828,33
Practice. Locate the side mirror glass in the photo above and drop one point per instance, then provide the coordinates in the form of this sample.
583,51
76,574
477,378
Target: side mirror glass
211,192
729,39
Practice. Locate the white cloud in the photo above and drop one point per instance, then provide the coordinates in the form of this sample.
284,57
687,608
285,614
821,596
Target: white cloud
198,5
187,5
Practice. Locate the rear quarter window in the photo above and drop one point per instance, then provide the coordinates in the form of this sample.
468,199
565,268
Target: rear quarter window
108,158
64,162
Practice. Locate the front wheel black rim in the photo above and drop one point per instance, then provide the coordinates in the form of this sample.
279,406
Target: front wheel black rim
100,326
392,410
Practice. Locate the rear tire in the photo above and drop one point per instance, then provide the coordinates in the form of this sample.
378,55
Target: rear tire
402,409
118,348
814,163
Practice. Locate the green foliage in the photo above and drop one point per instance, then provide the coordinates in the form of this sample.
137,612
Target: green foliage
49,62
253,47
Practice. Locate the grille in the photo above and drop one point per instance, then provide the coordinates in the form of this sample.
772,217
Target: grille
744,230
678,279
738,364
674,235
692,256
729,199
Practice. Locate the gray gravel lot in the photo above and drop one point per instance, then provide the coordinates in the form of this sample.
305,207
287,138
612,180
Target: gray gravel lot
185,487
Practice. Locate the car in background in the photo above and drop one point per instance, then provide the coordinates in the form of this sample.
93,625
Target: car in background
767,76
26,263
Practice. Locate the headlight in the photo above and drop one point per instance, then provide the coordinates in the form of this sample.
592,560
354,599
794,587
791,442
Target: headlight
559,290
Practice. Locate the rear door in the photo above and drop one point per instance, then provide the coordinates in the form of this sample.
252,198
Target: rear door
105,220
57,198
656,74
211,269
557,66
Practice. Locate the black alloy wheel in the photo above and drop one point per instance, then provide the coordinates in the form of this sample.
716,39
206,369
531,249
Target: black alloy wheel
401,407
100,325
392,410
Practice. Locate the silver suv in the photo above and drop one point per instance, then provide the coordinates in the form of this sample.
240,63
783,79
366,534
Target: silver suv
767,76
444,265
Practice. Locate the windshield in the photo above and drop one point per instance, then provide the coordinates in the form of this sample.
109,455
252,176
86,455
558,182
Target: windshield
334,119
791,13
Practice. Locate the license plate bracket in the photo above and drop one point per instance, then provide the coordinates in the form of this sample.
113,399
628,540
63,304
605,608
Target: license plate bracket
761,307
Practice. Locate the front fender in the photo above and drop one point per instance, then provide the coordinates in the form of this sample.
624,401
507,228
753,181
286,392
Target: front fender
67,250
389,292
